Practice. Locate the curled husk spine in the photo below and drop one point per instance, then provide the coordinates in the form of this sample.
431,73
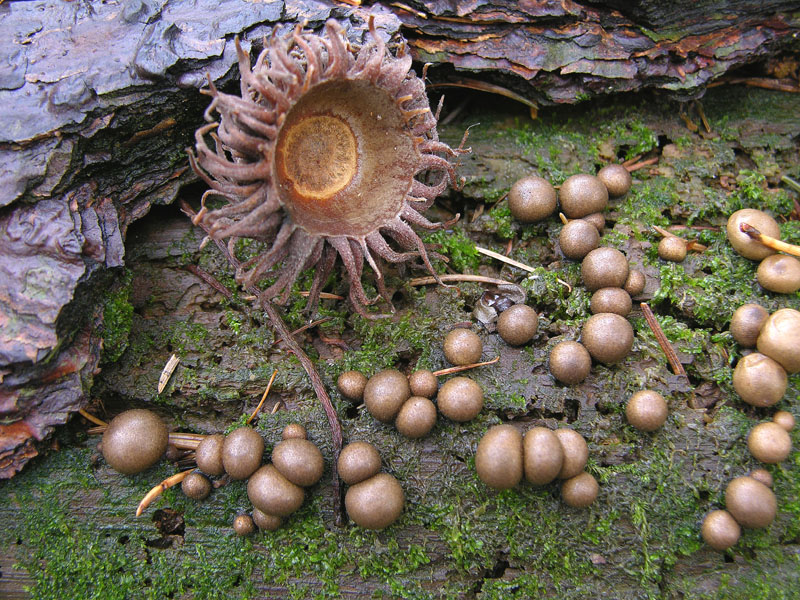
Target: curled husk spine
352,206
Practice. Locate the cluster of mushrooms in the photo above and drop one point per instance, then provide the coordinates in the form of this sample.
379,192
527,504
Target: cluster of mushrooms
391,397
760,379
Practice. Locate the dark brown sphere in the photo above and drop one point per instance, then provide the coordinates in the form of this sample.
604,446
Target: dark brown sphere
617,180
720,530
577,238
294,431
635,282
358,461
597,219
769,443
134,440
243,525
608,337
604,267
385,393
532,199
647,410
611,300
460,399
580,491
785,419
582,195
271,493
416,417
763,476
746,324
779,273
672,248
351,385
423,383
759,380
266,522
576,452
376,502
780,339
242,452
196,486
570,362
498,459
542,455
750,502
208,455
518,324
743,243
462,347
300,461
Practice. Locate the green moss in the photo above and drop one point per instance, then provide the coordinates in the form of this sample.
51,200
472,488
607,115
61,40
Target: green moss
457,247
117,319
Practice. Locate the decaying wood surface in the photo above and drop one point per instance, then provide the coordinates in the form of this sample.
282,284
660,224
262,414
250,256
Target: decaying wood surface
100,100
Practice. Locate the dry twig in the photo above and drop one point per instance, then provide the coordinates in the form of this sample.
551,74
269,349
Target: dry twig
159,489
666,347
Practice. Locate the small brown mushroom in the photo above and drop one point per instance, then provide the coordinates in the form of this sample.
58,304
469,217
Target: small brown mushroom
243,525
608,337
746,323
577,238
611,300
416,418
769,442
423,383
134,441
518,324
580,491
266,522
532,199
196,486
672,248
299,460
462,347
498,459
375,503
358,461
763,476
460,399
271,493
208,455
294,431
570,362
576,452
720,530
385,393
351,385
582,195
780,339
779,273
635,283
759,380
604,267
743,243
616,178
543,455
785,419
750,502
646,410
242,452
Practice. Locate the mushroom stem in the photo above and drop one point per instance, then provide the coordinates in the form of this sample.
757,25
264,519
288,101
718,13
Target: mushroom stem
159,489
769,241
690,244
458,277
186,441
563,218
458,369
264,397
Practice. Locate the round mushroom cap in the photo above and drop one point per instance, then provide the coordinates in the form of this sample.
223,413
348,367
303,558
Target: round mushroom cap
460,399
570,362
498,459
646,410
271,493
242,452
196,486
608,337
518,324
611,300
423,383
462,347
532,199
134,440
597,219
358,461
759,380
577,238
266,522
576,452
672,248
294,431
351,385
243,525
780,339
300,461
416,417
769,442
375,503
763,476
580,491
779,273
604,267
635,282
208,455
385,393
582,195
746,323
617,180
543,455
743,243
720,530
750,502
785,419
